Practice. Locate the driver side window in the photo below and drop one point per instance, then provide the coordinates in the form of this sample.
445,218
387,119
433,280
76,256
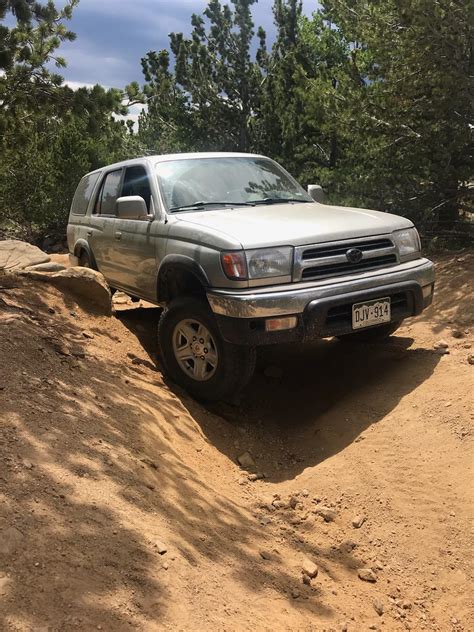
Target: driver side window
136,182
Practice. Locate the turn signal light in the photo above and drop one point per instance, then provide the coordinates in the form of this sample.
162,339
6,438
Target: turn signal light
234,264
277,324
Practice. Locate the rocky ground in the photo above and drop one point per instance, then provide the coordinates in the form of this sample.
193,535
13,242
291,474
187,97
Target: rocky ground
123,504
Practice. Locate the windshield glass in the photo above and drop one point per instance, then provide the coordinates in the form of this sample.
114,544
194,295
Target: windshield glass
214,182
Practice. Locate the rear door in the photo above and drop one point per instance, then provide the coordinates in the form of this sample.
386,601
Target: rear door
134,257
101,231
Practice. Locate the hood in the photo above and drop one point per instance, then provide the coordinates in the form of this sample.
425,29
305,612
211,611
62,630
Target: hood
292,224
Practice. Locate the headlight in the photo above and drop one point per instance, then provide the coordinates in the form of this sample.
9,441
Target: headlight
258,264
407,242
270,262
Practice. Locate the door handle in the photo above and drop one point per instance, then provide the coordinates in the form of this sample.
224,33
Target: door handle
118,235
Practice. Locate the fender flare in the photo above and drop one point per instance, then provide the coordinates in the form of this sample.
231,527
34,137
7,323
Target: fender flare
82,244
179,262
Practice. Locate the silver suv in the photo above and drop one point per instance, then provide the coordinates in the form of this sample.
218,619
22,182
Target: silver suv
239,255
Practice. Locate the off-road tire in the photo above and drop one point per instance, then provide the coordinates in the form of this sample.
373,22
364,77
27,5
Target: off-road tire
236,363
375,334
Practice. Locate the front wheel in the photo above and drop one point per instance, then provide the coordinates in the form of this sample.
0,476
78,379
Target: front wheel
375,334
196,356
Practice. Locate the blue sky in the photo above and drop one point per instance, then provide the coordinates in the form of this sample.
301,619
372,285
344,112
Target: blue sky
113,35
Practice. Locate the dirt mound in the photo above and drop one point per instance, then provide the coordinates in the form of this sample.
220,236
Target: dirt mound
122,504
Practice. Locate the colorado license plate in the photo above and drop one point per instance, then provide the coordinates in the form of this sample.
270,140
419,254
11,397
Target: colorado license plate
371,313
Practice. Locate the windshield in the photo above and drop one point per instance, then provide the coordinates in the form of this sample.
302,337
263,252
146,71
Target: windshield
203,183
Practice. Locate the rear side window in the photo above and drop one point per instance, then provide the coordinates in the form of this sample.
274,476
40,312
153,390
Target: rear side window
109,192
83,194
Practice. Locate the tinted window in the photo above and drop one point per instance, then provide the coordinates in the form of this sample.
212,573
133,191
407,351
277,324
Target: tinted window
83,194
136,182
109,192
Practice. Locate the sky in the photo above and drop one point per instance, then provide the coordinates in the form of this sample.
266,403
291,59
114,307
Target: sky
113,35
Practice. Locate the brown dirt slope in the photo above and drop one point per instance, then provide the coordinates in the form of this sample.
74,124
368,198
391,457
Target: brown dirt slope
103,467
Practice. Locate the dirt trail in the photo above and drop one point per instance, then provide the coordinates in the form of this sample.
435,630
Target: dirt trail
103,466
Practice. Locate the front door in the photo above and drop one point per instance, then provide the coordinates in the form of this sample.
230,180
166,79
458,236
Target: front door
135,240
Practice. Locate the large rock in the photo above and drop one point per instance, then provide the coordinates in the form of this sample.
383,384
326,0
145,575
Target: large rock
88,287
19,255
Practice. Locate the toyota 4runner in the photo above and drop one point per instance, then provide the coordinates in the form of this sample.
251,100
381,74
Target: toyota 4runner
239,255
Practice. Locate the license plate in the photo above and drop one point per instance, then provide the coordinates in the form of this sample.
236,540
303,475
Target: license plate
371,313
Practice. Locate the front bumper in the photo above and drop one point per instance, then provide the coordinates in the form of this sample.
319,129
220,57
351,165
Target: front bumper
322,308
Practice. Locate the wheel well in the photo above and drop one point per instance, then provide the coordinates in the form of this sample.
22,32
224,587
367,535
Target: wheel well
177,281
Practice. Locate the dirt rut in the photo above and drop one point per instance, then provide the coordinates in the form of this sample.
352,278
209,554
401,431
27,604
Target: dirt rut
122,505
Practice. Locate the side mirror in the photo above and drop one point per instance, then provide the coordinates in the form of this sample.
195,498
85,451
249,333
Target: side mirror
132,207
317,193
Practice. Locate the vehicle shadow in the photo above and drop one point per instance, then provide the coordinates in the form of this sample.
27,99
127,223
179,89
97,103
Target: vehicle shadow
326,394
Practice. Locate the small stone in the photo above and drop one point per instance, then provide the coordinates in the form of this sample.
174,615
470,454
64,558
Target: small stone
257,476
309,568
160,547
295,593
358,521
379,607
347,546
457,333
273,372
51,310
470,358
266,555
441,344
377,565
293,502
87,334
367,575
327,513
28,464
246,461
442,351
406,605
306,580
305,493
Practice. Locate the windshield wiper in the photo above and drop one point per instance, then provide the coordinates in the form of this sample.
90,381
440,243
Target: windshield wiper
277,200
203,204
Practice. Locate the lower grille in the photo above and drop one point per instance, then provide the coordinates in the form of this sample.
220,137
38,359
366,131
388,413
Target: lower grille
400,304
346,267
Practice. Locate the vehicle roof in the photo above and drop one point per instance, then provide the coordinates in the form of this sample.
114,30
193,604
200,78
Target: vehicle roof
185,156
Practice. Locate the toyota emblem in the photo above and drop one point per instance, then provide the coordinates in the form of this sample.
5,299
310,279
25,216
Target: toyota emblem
354,255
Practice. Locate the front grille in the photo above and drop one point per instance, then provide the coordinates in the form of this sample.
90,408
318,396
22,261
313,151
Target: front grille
347,268
327,260
341,249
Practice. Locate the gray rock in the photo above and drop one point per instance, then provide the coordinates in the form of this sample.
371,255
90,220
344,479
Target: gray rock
246,461
327,513
19,255
358,521
379,607
367,575
50,266
160,547
309,568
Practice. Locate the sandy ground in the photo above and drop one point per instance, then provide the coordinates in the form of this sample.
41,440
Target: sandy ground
122,505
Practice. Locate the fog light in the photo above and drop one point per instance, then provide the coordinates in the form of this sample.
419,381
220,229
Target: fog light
427,290
276,324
